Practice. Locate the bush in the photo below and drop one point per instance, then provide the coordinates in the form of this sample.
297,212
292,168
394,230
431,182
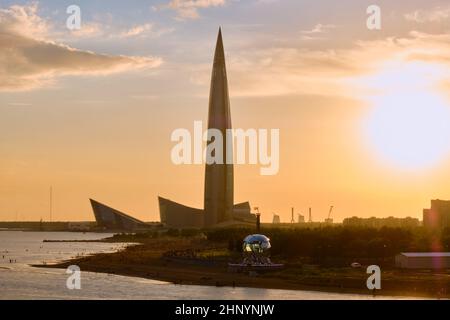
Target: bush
173,233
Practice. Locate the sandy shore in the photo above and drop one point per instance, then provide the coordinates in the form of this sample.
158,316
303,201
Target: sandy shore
154,259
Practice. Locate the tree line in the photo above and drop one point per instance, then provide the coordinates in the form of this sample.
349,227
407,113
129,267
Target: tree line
340,243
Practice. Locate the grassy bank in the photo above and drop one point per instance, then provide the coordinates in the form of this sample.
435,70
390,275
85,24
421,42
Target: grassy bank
201,259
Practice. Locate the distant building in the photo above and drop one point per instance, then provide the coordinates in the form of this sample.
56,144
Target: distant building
176,215
423,260
382,222
112,219
301,219
179,216
438,216
276,219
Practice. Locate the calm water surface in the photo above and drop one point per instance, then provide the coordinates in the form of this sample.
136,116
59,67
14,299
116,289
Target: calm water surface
18,280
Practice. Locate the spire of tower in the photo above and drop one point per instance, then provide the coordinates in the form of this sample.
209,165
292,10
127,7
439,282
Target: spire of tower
219,177
219,56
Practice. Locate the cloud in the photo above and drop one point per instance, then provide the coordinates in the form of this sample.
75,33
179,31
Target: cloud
30,60
136,31
188,9
20,104
144,30
144,97
319,29
108,31
23,20
437,14
88,30
300,71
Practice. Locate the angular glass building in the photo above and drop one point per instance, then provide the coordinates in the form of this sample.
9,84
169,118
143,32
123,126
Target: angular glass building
112,219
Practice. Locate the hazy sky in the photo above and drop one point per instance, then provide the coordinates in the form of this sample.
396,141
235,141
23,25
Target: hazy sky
362,113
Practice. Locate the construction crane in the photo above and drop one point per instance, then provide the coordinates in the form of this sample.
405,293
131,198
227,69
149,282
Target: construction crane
329,219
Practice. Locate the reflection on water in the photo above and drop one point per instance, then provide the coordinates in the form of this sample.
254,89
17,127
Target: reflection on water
20,281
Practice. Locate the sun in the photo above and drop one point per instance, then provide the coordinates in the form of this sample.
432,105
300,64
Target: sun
409,122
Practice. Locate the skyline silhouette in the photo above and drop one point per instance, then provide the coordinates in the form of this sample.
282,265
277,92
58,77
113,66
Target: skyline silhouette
362,113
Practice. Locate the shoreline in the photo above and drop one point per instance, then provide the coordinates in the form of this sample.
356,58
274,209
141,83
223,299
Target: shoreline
298,287
147,260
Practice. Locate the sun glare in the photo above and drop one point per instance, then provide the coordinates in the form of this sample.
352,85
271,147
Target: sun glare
409,123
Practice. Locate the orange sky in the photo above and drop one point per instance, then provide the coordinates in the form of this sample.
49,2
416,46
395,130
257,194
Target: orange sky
95,122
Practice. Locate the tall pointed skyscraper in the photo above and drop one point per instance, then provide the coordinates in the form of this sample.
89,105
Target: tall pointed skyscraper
219,192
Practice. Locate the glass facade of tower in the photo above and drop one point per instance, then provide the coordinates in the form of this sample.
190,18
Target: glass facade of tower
219,193
219,208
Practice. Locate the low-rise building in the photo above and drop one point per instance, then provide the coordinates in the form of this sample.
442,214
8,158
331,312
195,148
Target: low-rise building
423,260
